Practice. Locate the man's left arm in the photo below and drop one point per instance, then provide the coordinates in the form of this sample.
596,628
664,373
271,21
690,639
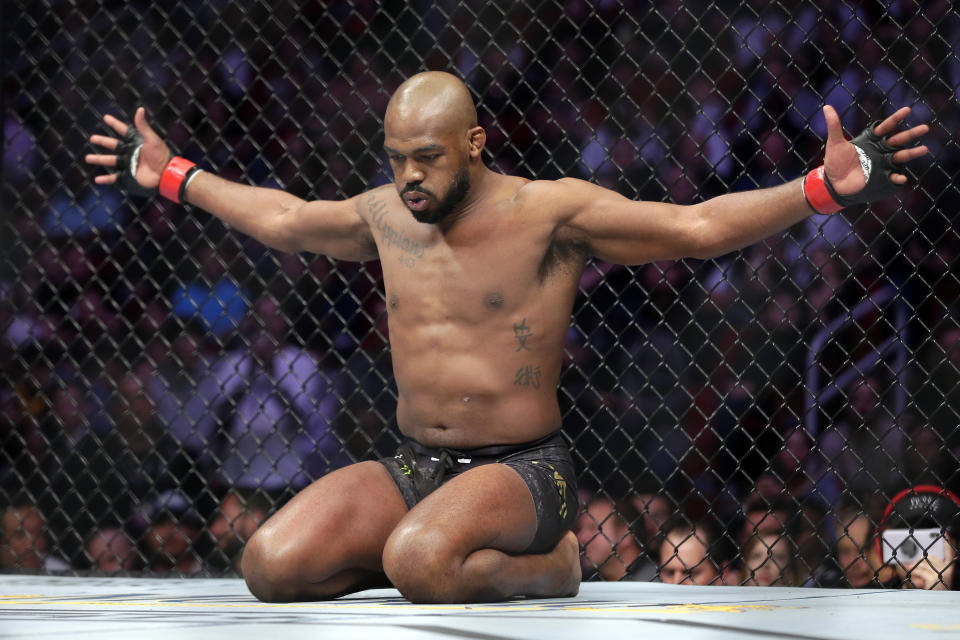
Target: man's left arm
868,168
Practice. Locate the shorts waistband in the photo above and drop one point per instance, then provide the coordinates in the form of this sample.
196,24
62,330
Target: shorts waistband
491,451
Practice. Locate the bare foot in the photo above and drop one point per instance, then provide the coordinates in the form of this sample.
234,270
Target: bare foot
569,551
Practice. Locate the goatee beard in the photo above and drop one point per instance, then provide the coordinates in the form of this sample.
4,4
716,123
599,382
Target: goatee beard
458,191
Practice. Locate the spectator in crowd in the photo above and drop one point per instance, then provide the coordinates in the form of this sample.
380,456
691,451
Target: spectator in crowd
866,445
770,559
171,528
937,381
782,504
685,554
919,512
20,441
765,510
802,471
78,209
928,459
106,475
656,509
110,550
240,514
32,374
25,322
856,551
811,535
612,535
275,408
71,417
24,540
183,388
214,298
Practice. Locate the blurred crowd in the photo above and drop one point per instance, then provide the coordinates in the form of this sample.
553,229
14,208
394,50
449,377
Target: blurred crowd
645,537
166,384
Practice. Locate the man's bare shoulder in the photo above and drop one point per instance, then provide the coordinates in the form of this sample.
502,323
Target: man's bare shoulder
561,198
540,189
375,201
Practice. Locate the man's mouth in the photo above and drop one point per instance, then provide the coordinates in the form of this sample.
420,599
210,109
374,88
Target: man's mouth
415,200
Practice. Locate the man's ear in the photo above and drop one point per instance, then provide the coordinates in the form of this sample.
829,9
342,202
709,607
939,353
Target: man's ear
476,141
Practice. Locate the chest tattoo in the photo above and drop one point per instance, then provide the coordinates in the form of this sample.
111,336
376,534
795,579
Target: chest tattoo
527,376
522,333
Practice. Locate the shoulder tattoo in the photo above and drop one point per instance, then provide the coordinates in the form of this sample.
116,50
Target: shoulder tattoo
390,236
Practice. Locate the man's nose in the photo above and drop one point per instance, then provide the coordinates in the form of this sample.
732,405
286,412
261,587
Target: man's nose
412,173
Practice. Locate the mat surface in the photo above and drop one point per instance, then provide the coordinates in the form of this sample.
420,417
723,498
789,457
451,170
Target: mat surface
55,607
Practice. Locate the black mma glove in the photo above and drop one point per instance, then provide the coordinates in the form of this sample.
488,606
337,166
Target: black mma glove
128,156
876,161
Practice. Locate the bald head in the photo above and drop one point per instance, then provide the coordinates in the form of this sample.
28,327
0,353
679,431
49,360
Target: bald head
432,98
434,145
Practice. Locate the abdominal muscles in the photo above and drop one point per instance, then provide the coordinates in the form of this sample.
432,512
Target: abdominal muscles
466,389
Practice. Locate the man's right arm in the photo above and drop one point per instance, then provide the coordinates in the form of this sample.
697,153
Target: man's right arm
277,219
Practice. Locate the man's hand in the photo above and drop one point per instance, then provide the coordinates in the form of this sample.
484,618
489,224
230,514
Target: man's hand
842,162
136,172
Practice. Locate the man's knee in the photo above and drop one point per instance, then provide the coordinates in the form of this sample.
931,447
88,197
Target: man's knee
419,563
269,575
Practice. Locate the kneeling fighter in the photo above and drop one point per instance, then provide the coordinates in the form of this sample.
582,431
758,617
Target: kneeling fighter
480,271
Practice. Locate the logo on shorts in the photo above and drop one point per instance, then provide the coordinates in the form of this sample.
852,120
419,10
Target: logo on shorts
561,489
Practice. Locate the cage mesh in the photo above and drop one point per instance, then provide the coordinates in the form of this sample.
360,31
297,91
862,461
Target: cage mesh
167,383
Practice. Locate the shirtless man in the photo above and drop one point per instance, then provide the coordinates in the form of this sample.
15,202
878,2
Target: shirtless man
480,271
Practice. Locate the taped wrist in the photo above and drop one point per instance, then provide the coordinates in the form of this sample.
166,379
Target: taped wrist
876,162
175,178
818,196
128,156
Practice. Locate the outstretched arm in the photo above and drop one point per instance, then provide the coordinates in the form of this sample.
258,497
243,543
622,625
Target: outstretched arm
627,232
275,218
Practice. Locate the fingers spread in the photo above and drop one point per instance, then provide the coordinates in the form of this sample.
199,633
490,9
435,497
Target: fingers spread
905,137
101,159
105,142
110,178
906,155
116,125
890,124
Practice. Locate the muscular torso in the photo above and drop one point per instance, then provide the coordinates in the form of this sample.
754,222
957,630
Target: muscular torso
478,315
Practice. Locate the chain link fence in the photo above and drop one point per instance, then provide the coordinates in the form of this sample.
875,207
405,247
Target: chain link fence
167,383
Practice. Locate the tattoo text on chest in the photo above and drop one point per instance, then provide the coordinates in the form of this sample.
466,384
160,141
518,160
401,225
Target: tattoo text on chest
522,333
527,376
410,250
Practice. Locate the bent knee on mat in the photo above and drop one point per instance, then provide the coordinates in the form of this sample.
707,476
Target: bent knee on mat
273,571
264,573
420,562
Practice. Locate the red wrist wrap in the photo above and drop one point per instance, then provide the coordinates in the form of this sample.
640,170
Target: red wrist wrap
816,193
173,176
